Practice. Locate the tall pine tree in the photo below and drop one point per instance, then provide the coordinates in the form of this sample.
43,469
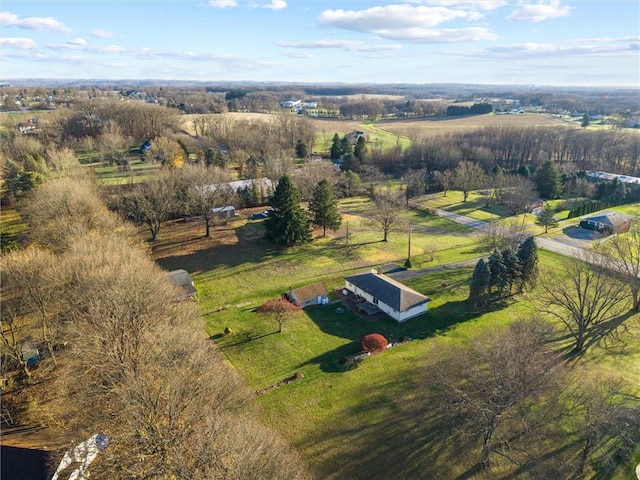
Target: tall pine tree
479,287
548,180
513,269
498,279
324,207
528,258
287,223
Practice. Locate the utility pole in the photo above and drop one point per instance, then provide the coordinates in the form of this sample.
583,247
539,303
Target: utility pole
407,264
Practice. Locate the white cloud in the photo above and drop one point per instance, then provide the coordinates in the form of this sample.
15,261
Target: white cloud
22,43
8,19
394,17
444,35
414,23
538,12
223,3
301,54
276,5
474,4
80,42
98,33
340,44
573,48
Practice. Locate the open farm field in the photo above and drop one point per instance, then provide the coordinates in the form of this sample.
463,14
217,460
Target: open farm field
442,125
373,421
406,128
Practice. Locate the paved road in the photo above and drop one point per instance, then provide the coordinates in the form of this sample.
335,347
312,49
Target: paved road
555,245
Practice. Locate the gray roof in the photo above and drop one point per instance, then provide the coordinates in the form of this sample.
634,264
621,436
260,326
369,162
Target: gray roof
181,278
388,291
610,218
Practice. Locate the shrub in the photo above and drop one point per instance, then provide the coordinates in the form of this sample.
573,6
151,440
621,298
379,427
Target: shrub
228,331
374,343
407,263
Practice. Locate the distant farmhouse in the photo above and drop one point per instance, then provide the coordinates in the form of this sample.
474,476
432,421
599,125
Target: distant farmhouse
298,104
382,293
608,222
600,176
354,136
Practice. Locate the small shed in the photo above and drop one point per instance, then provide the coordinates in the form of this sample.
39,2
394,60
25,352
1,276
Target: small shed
314,294
608,222
224,212
182,279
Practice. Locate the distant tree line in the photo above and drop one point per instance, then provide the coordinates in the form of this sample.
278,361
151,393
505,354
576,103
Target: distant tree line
475,109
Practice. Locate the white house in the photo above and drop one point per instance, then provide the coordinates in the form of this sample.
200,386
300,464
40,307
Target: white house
291,103
393,298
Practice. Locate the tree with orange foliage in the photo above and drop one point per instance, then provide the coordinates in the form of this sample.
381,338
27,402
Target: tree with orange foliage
278,309
374,343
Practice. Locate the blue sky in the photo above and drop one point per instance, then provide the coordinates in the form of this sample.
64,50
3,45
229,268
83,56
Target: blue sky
540,42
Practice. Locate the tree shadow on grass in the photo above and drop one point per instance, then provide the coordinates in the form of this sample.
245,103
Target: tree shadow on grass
612,336
352,326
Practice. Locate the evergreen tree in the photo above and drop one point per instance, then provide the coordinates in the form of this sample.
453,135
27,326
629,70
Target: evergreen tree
287,223
336,149
498,279
360,149
513,270
546,218
585,121
324,207
547,180
301,149
528,258
479,287
350,162
345,146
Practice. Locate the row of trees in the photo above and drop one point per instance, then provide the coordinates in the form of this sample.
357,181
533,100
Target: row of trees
513,147
289,224
494,278
124,355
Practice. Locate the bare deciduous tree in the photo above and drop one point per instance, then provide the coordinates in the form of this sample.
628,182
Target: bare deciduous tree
385,212
152,203
205,192
605,416
467,176
624,251
278,309
584,295
31,288
66,208
487,389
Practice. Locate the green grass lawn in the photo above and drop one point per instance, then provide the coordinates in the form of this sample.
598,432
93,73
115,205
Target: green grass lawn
369,421
114,175
474,207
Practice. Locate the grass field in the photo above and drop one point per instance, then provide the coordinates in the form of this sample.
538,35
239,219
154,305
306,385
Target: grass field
371,421
114,175
474,207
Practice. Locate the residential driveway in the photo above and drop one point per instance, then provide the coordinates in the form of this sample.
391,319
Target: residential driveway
462,220
578,237
561,245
